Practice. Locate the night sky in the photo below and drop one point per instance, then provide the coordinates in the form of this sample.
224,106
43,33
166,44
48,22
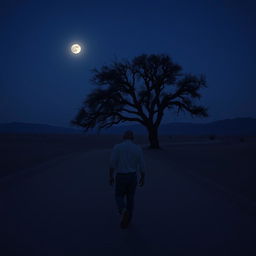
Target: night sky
42,82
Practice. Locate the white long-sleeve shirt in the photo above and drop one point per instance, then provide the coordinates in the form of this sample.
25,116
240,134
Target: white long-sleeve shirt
127,157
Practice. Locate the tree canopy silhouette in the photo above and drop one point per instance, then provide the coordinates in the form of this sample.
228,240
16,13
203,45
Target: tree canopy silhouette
140,91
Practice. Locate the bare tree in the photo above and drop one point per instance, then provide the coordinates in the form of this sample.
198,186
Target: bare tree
140,91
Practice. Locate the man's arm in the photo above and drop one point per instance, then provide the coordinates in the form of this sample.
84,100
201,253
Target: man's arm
142,179
142,169
112,166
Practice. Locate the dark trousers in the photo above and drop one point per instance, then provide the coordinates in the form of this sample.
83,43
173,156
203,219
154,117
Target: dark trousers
125,189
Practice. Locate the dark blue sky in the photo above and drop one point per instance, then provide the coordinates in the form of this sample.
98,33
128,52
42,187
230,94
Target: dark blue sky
42,82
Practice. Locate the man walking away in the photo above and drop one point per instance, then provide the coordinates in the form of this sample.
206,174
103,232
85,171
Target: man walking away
126,161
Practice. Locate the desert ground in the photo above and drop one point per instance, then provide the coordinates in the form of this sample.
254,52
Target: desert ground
199,197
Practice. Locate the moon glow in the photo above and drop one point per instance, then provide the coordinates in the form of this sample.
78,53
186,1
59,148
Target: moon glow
75,48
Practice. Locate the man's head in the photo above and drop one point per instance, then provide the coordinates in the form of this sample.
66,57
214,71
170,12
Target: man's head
128,135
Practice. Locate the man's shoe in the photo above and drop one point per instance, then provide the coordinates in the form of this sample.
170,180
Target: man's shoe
125,219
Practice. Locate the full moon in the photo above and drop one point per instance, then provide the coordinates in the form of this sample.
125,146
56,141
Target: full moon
75,48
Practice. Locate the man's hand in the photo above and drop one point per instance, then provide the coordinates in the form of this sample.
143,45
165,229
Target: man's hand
111,176
141,181
111,180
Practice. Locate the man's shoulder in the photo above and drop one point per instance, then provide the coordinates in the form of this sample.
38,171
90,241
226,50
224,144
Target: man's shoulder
136,147
124,144
116,145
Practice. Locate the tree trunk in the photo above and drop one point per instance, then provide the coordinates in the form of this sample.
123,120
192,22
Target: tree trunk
153,137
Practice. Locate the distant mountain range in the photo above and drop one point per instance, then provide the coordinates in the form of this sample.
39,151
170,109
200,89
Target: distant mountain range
236,126
35,128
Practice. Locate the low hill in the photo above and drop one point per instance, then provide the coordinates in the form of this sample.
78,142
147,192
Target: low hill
236,126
